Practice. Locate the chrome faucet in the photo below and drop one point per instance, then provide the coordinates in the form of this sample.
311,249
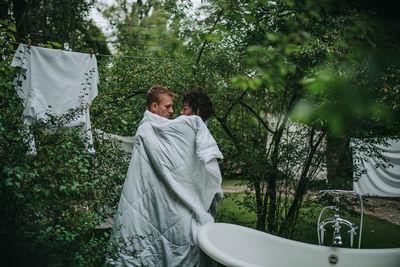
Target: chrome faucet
337,221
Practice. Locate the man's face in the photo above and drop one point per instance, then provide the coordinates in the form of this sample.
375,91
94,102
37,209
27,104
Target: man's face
187,110
164,108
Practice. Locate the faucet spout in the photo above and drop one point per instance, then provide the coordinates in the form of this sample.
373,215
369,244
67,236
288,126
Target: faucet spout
337,238
352,227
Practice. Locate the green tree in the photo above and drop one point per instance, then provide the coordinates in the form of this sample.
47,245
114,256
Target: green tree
289,62
139,24
256,94
52,202
64,22
124,82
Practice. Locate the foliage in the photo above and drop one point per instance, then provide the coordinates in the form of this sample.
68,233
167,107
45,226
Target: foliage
297,74
124,82
90,36
291,81
52,201
255,96
64,22
139,24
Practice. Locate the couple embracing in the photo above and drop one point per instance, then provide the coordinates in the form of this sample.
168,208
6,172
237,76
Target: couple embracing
173,185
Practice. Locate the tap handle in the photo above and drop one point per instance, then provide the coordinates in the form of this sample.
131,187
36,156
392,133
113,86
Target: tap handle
322,233
351,238
352,232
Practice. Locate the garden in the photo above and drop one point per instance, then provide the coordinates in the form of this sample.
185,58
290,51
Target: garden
293,84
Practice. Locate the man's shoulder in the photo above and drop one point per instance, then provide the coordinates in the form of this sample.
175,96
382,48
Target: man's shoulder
144,126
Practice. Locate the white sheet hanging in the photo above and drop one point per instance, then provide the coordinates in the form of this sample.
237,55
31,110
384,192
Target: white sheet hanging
54,81
380,181
173,184
125,142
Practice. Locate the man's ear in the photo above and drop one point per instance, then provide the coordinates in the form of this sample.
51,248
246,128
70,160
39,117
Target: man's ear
153,106
198,112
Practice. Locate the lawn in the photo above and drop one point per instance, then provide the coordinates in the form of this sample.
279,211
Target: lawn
376,233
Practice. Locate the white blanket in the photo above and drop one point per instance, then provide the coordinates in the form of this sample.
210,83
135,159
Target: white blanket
379,181
54,81
172,183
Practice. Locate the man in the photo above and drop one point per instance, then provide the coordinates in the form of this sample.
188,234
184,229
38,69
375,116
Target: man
170,191
196,102
160,101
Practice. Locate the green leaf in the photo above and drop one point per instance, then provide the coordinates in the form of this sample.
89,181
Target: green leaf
55,44
9,182
12,28
11,36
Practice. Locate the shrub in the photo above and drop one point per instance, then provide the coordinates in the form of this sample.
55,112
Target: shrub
51,202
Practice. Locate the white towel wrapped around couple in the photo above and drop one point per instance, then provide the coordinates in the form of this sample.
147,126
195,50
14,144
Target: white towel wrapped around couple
172,183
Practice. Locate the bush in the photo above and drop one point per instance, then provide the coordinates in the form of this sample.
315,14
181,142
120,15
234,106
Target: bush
54,200
51,202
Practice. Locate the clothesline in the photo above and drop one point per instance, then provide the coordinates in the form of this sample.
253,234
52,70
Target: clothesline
122,56
83,39
127,24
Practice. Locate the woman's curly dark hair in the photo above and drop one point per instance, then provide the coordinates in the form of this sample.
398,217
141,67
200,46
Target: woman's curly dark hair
199,102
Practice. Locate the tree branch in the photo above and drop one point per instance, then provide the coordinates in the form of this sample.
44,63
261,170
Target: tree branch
257,116
206,42
228,132
135,94
303,184
233,104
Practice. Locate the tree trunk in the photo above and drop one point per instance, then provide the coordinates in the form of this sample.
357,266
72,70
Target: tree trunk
302,186
275,172
271,192
22,11
339,161
260,207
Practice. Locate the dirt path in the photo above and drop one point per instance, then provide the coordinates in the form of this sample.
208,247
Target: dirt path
386,209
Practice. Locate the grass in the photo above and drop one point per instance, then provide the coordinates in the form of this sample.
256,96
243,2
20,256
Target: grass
230,212
377,233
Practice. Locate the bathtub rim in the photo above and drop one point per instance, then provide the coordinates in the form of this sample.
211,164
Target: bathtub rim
215,253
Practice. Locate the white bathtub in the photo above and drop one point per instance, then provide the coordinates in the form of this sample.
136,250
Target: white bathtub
234,245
